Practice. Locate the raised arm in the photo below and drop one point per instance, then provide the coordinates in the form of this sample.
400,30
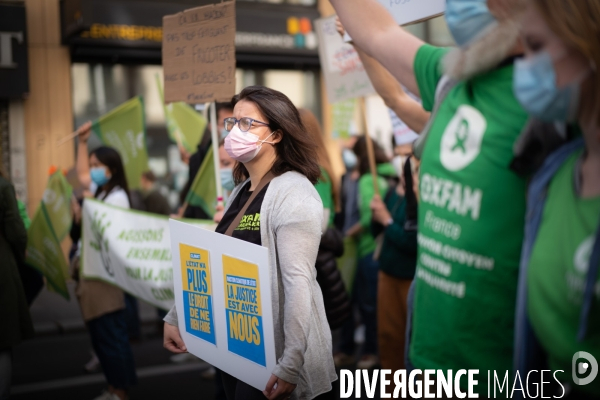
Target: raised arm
83,164
410,111
374,30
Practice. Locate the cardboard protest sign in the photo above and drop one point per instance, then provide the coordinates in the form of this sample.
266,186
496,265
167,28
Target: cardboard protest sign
223,300
402,133
342,118
199,54
406,12
130,249
410,11
345,76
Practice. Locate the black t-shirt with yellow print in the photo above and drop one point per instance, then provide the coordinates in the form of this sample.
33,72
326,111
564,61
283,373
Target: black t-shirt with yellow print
248,229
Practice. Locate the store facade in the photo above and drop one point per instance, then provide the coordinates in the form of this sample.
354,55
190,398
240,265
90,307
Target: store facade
14,75
115,49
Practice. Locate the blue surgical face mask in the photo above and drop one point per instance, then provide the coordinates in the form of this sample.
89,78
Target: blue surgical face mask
534,84
350,159
224,133
99,176
227,179
468,19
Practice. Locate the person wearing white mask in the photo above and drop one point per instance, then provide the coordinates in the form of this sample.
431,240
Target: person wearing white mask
471,202
226,170
558,324
276,205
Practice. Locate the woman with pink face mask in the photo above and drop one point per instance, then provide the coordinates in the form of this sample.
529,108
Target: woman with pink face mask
276,205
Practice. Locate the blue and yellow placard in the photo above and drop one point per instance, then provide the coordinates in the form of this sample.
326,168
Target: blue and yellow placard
243,310
197,292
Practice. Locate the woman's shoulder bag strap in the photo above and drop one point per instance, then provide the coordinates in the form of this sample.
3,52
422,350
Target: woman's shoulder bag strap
236,221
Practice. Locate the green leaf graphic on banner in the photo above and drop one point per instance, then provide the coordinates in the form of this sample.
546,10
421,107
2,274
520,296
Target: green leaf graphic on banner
57,201
124,129
185,125
203,191
45,254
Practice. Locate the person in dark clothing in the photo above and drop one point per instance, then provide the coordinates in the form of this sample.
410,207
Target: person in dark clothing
397,264
16,321
154,201
224,110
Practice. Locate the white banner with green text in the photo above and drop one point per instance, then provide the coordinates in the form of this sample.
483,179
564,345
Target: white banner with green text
130,249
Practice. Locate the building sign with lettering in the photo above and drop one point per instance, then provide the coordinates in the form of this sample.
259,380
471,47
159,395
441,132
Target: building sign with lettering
199,54
13,52
262,30
228,321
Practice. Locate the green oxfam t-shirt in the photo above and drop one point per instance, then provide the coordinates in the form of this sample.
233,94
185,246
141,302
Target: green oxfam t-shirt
556,277
471,218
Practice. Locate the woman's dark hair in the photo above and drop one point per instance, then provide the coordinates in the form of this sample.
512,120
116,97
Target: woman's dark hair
360,149
111,158
295,151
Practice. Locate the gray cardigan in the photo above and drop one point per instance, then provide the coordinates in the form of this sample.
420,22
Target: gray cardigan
290,227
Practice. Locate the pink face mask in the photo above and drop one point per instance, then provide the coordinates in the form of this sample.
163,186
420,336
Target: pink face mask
243,146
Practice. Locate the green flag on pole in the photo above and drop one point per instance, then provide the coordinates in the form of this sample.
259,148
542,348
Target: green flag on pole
45,254
185,125
203,191
57,201
124,129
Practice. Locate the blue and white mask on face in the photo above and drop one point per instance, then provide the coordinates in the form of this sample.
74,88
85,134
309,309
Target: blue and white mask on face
534,84
468,19
99,176
227,179
349,158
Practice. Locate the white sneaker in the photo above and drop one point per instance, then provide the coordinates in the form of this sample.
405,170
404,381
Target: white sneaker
184,358
367,361
93,365
208,373
106,395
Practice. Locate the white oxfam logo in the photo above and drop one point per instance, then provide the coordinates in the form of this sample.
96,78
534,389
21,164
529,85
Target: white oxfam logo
461,142
582,255
581,368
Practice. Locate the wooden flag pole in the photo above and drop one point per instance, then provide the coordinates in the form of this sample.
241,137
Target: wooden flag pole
215,146
370,151
66,139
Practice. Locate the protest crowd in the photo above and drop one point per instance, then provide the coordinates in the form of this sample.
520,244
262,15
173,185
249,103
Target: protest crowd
470,242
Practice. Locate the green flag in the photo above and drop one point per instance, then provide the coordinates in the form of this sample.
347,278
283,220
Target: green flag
185,125
124,129
347,263
57,201
45,254
203,191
